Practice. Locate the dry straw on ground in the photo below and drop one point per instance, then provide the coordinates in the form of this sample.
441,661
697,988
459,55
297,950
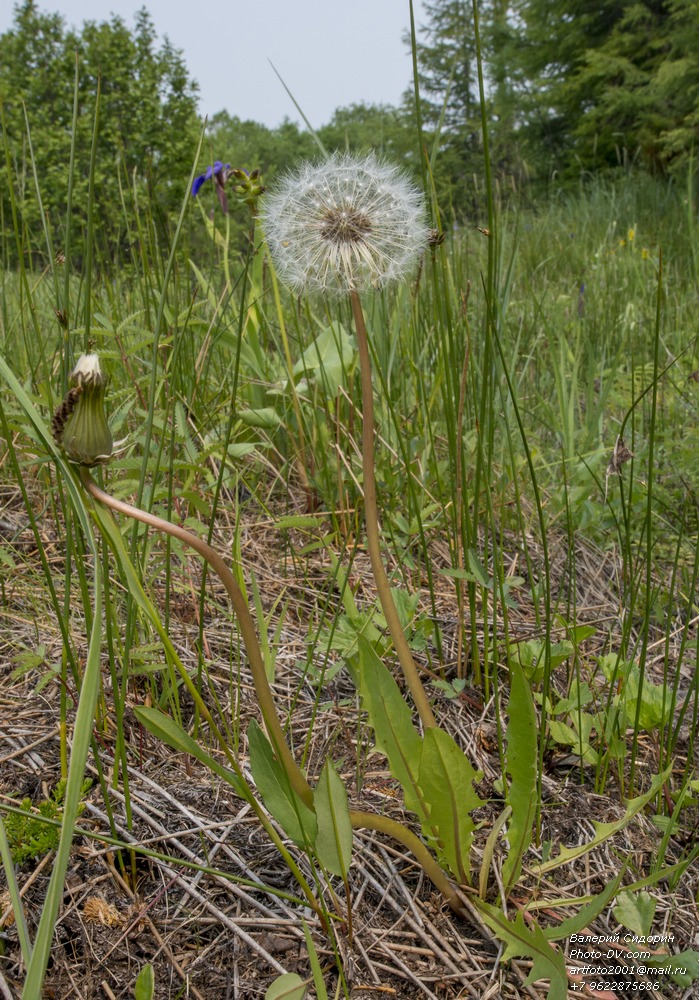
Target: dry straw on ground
227,934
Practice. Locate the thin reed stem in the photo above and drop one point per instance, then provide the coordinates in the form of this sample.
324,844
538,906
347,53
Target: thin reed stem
245,624
371,514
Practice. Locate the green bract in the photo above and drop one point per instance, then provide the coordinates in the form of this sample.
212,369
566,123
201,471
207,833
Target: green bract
80,423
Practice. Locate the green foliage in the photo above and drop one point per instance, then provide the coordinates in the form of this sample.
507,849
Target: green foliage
611,84
171,734
318,980
288,986
452,689
583,87
446,778
333,844
450,104
522,751
380,128
272,781
226,393
435,775
144,987
148,124
635,911
523,940
327,361
682,968
27,835
28,660
603,831
655,700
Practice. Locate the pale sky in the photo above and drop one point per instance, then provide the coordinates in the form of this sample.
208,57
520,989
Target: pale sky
330,53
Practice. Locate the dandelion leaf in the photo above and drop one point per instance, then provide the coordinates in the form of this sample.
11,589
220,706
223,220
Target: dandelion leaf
446,780
682,968
635,910
391,720
173,735
521,765
289,986
523,941
328,358
144,987
603,831
293,815
586,914
334,841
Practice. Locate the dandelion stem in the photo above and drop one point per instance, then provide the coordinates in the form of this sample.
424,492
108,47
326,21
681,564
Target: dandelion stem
245,624
408,665
392,828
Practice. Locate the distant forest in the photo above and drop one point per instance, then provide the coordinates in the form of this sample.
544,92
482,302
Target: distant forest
571,87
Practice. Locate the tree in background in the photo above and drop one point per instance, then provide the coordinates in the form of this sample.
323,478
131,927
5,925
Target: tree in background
609,83
449,102
252,146
360,127
148,124
450,96
389,131
675,85
570,86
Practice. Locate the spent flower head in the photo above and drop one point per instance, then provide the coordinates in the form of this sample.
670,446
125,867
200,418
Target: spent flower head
79,424
345,224
247,186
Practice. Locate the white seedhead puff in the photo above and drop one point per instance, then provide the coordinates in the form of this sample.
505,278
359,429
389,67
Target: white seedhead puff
345,224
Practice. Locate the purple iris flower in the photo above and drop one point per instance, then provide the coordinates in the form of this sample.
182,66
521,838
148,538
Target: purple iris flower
218,174
211,172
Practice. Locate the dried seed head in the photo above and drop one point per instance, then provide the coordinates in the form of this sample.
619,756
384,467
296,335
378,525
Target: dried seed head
620,456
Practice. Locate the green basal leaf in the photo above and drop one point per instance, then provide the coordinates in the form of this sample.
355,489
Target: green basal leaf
318,981
682,969
527,941
298,821
521,765
265,416
446,779
635,911
586,914
144,988
436,778
391,720
287,987
603,831
328,358
333,844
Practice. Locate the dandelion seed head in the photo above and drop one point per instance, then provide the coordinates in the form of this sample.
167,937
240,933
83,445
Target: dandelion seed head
344,224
